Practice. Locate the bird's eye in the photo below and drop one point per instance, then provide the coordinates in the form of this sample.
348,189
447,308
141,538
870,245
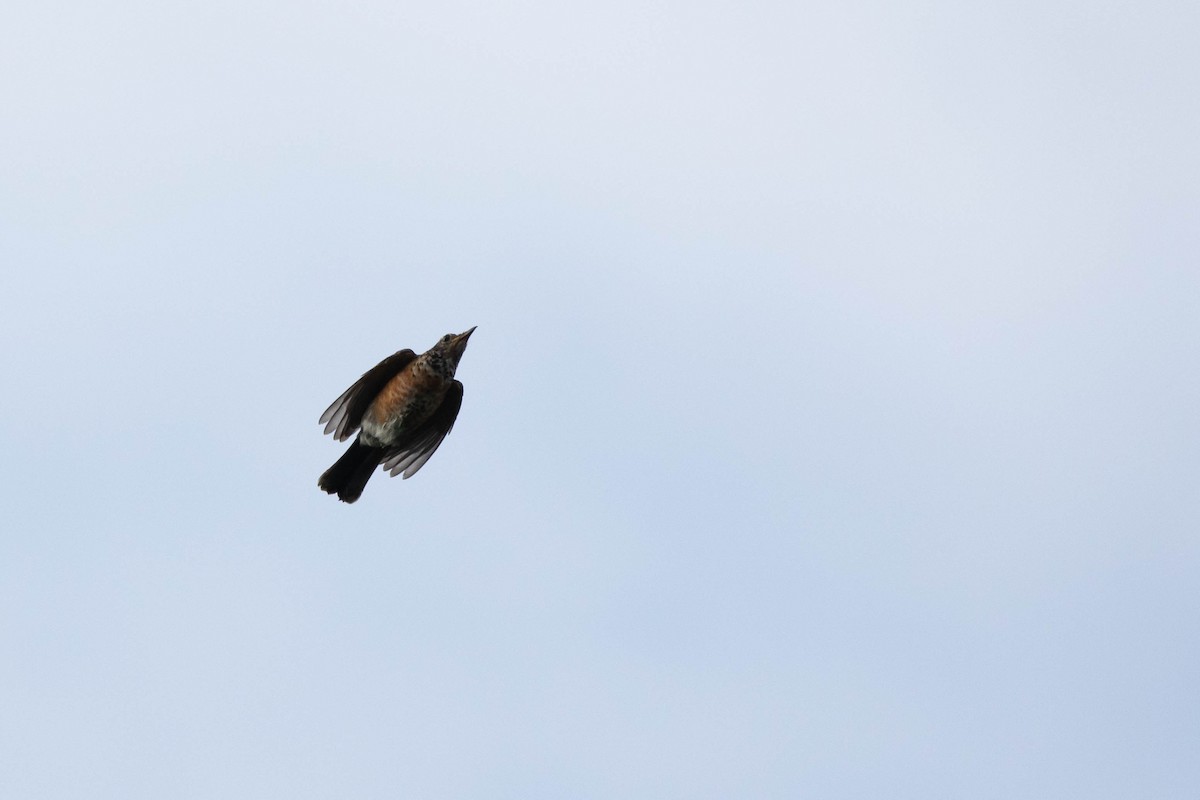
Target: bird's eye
447,338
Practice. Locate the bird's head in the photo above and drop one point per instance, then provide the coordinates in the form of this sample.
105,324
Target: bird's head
451,347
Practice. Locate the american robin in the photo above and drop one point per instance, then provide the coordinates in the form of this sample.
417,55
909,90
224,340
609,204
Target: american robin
405,405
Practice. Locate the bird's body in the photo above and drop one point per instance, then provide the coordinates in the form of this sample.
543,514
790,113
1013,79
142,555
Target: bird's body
405,405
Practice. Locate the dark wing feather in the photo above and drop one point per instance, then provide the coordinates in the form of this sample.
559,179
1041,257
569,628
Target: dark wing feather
345,414
410,455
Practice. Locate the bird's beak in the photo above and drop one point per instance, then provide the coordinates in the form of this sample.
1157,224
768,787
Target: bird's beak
459,343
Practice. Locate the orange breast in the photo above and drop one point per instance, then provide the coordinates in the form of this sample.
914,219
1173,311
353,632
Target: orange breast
410,391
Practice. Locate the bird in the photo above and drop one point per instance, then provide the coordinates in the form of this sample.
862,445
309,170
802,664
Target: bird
402,408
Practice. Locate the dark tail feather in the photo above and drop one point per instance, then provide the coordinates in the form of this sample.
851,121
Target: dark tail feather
350,473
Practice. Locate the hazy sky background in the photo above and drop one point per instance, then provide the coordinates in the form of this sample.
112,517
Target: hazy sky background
830,430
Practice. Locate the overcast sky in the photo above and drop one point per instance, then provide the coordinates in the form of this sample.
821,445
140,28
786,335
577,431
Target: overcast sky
830,429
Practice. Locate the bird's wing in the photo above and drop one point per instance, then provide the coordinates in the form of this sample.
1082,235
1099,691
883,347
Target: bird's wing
345,414
410,455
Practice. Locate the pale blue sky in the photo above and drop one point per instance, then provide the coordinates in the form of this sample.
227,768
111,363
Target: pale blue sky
830,430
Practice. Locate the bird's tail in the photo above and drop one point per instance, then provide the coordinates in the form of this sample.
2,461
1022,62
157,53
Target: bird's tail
350,473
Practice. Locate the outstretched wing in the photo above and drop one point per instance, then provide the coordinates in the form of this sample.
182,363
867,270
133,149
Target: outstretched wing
410,455
343,417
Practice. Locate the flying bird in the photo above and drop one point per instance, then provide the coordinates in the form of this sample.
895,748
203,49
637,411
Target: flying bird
402,408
